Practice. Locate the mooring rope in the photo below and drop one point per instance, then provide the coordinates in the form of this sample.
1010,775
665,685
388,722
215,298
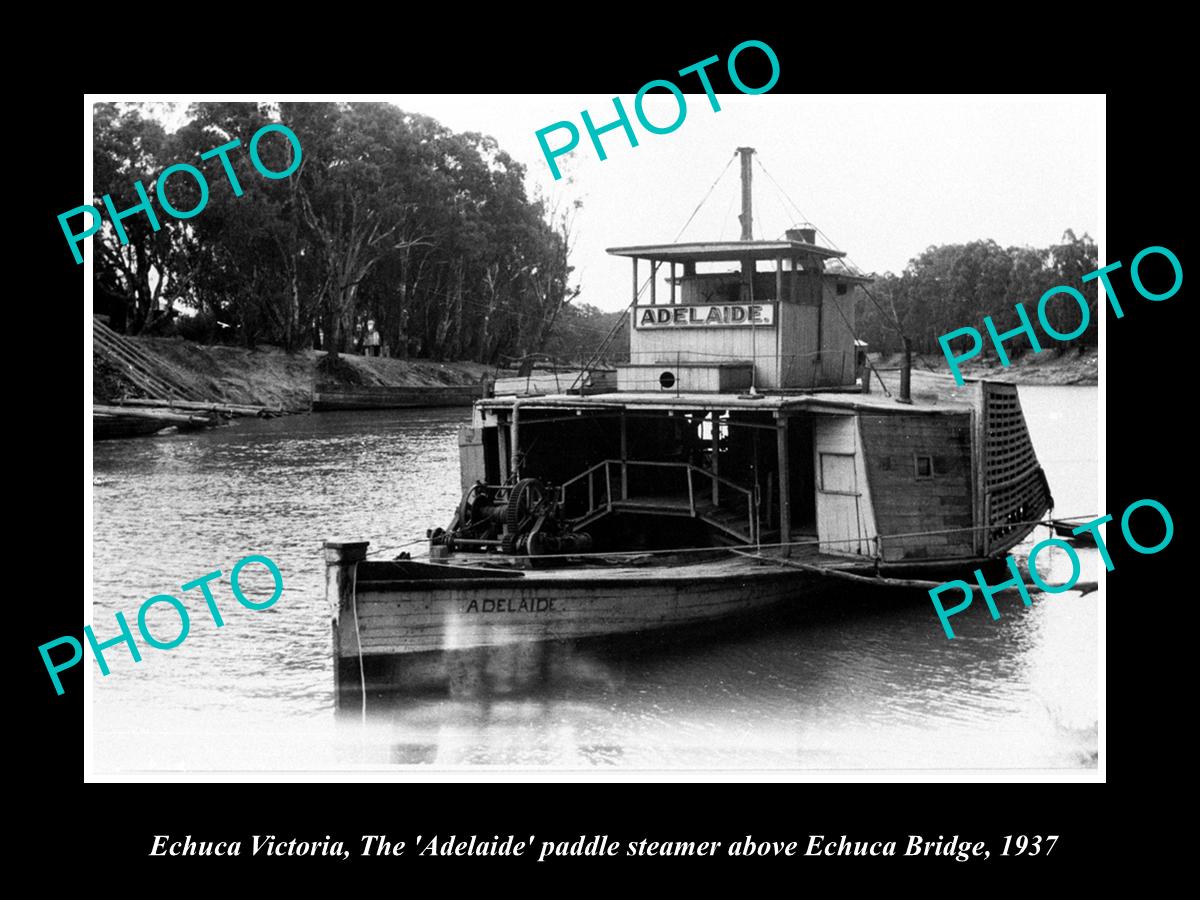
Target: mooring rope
362,675
848,576
734,548
397,547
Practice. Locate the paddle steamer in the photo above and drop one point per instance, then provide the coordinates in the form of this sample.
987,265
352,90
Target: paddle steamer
746,458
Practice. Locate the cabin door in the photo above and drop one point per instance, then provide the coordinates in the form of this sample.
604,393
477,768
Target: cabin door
843,510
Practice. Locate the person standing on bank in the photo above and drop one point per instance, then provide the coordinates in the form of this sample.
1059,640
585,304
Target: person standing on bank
371,341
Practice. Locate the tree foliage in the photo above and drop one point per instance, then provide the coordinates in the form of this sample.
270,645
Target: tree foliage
391,216
956,285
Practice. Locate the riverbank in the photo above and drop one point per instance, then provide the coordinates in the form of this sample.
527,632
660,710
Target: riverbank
1048,367
267,376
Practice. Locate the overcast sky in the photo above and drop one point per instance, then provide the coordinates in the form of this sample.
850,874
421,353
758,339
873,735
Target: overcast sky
883,177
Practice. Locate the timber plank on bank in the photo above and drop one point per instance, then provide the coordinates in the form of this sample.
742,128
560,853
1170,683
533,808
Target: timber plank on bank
377,397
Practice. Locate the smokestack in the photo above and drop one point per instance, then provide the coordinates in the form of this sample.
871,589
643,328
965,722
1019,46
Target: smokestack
747,216
803,235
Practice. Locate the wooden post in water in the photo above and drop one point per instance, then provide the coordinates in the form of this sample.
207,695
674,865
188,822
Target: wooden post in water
341,568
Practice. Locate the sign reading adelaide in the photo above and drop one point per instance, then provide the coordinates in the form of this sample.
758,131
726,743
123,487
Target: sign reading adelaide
703,316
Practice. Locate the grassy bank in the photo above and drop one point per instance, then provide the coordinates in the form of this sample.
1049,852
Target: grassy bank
1047,367
266,376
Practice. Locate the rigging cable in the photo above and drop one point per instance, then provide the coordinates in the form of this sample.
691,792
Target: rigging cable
725,221
621,319
853,264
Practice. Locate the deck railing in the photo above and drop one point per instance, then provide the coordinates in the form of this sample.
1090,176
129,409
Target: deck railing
601,476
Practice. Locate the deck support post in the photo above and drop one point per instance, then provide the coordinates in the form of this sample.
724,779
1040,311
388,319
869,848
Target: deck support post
716,454
672,282
781,371
341,569
785,486
504,433
515,440
624,458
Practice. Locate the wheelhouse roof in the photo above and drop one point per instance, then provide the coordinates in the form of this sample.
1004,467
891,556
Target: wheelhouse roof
711,251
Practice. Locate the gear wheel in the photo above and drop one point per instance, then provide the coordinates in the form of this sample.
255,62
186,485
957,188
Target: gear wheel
524,502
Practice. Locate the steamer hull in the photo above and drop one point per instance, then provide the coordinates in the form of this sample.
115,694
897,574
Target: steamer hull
414,623
411,627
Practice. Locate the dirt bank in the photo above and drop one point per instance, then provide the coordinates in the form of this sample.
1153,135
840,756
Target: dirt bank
369,371
1047,367
266,376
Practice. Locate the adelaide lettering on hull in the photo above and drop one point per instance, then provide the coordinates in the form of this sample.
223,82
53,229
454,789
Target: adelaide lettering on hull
702,316
540,604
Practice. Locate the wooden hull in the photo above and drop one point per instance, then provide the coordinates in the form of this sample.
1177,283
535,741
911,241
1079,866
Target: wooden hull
413,627
396,397
416,615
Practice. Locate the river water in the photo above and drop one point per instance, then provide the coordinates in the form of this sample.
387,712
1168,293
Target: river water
855,682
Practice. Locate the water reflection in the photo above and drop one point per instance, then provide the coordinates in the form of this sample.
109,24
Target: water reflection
851,681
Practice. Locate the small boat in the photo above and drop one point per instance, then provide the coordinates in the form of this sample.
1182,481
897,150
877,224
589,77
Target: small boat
1065,528
120,421
743,460
107,426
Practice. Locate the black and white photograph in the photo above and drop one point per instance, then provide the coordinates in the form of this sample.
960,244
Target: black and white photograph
683,433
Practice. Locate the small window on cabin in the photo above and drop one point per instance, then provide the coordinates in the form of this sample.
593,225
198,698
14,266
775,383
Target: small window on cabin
837,473
841,288
924,466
